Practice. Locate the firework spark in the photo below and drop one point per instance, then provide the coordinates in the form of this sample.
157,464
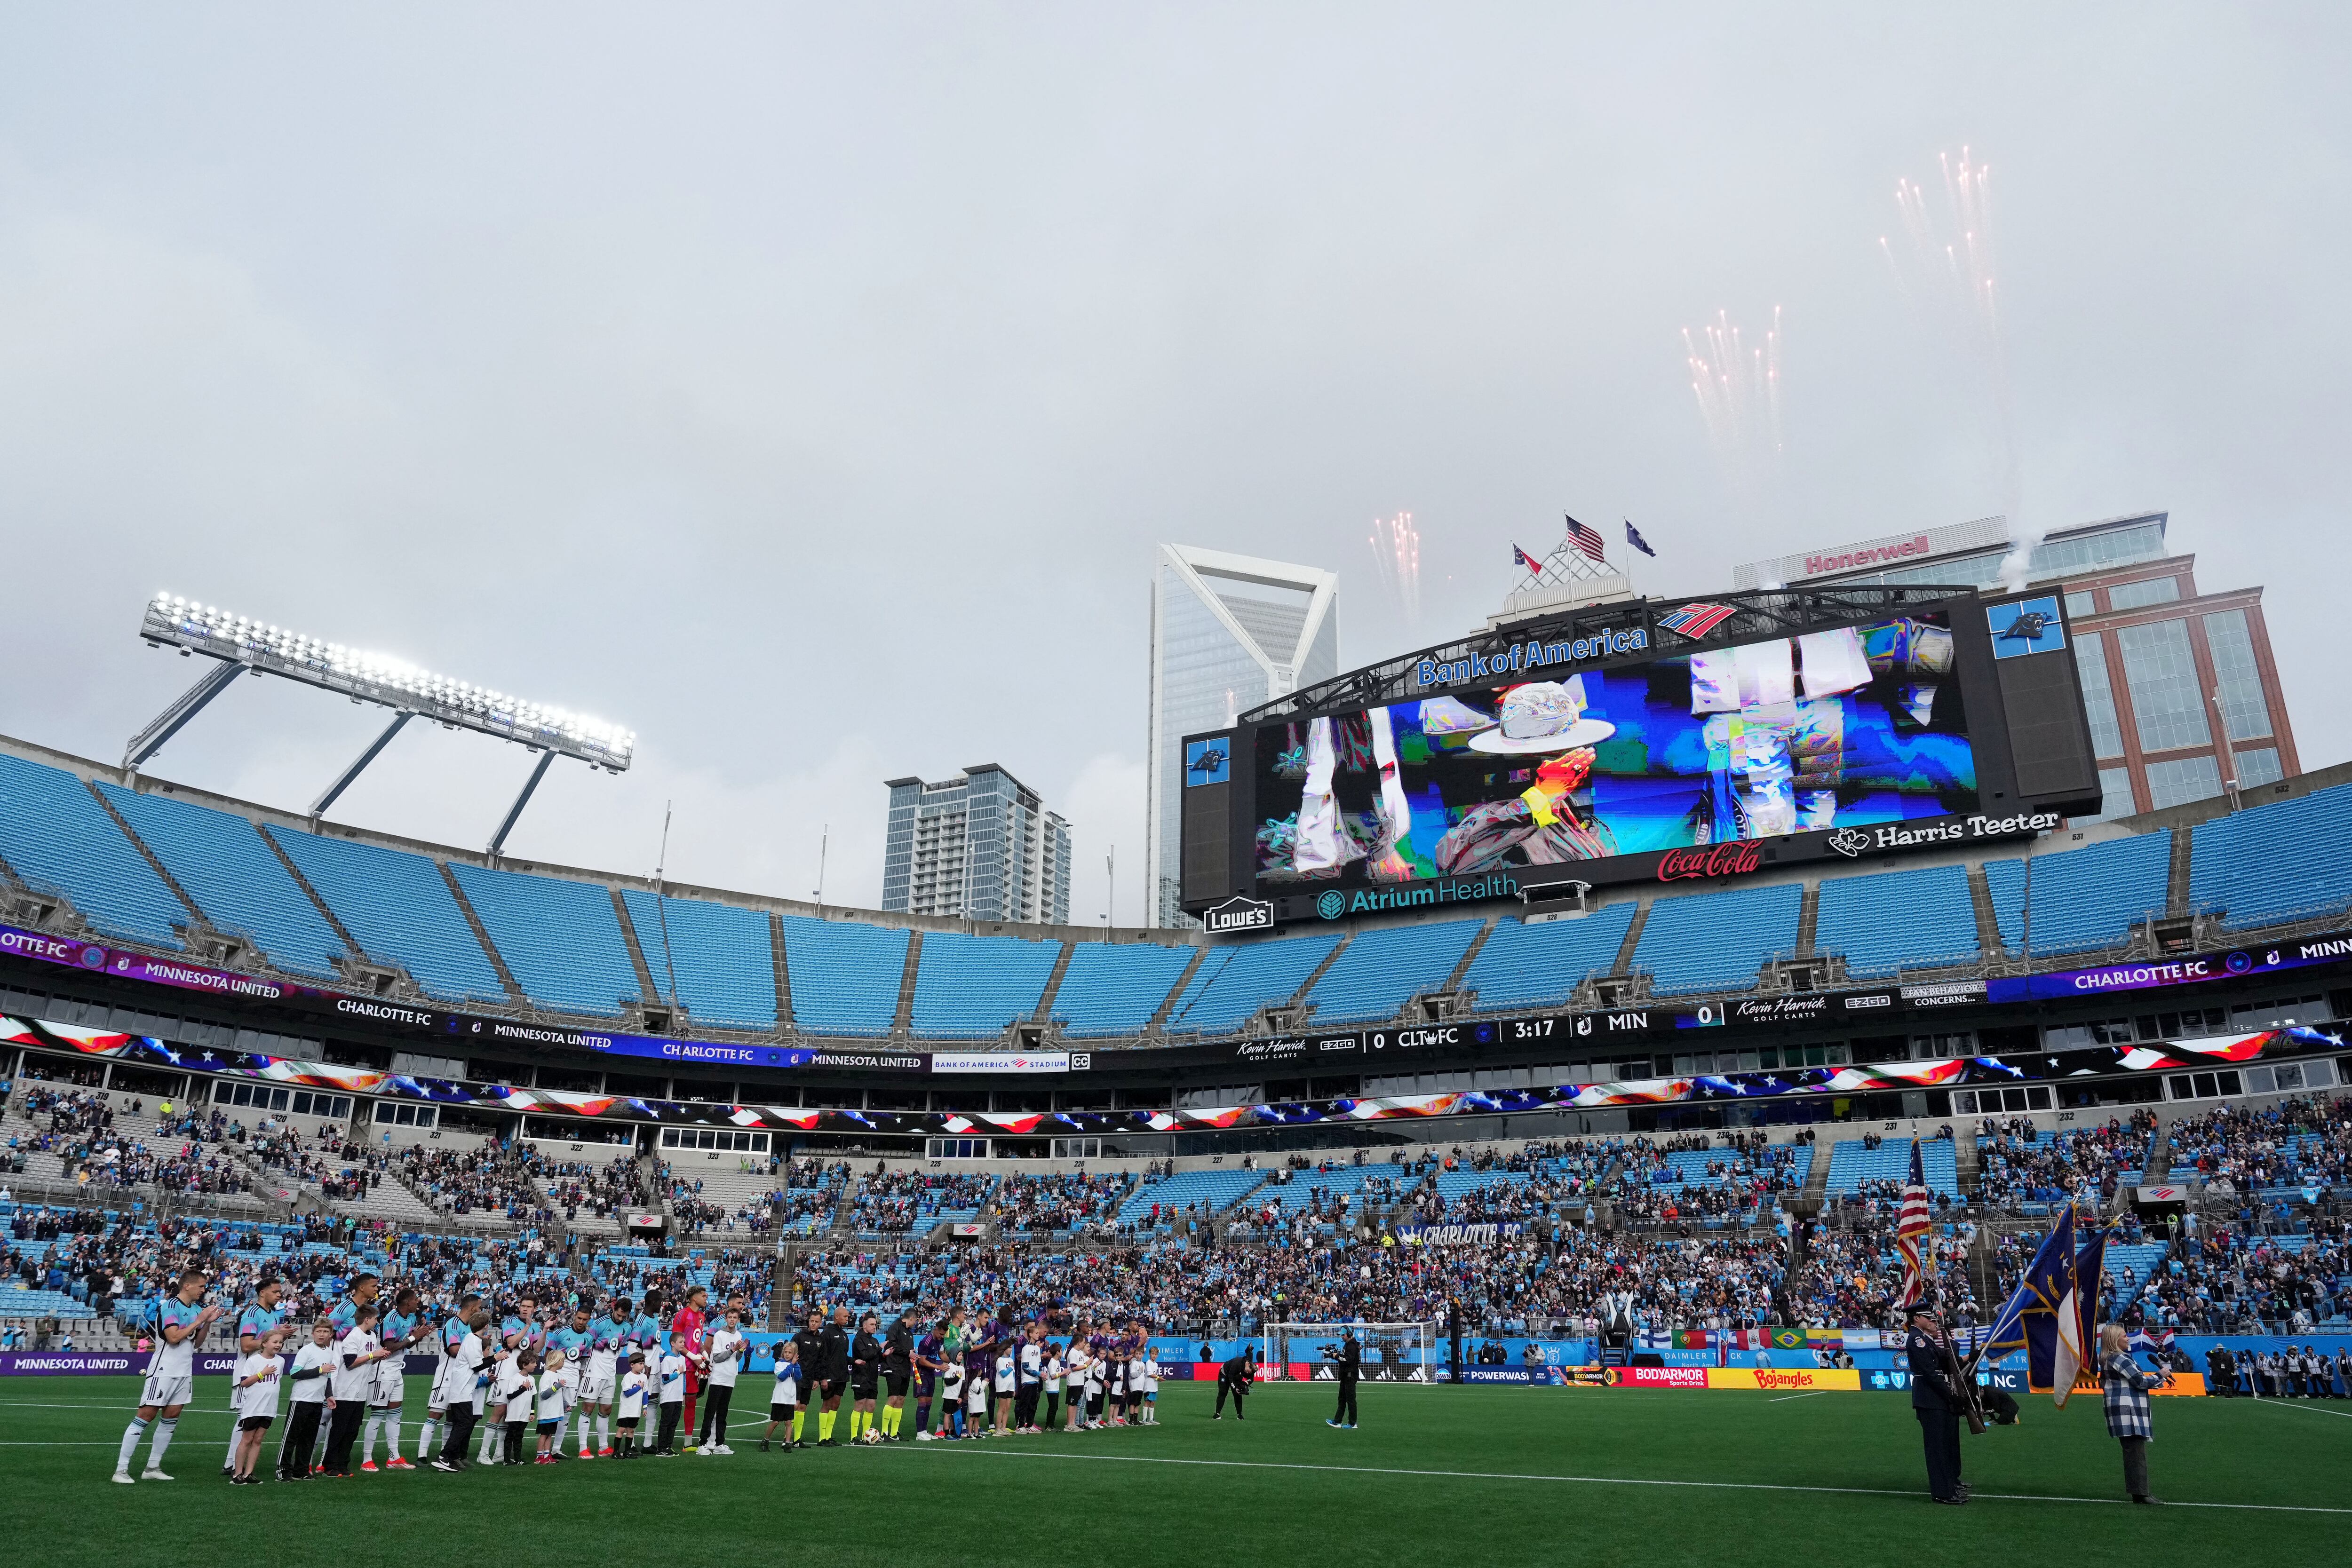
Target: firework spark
1738,385
1396,551
1944,269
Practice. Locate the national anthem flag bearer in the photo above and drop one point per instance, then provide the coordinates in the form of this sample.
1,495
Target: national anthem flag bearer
1911,1229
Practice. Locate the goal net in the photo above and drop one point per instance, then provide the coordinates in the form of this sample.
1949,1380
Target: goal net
1392,1353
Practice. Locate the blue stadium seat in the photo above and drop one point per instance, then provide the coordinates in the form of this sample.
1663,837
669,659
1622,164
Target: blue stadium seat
973,987
56,836
722,958
1524,965
1718,941
222,861
1115,988
1386,967
1898,920
1850,1164
2082,899
2270,865
397,907
1251,975
562,940
844,975
1218,1189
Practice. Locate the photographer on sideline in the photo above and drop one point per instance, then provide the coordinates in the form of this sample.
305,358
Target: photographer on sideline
1349,1357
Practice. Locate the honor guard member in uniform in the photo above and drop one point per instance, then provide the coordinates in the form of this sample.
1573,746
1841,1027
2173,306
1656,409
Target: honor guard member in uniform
1936,1401
1350,1360
1235,1377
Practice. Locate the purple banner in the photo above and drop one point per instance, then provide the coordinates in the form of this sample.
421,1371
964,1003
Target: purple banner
2163,972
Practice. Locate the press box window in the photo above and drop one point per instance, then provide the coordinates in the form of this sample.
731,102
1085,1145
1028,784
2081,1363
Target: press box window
714,1139
306,1103
1995,1102
260,1096
388,1114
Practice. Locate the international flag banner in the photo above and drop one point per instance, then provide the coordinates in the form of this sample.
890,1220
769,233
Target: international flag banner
1693,1339
1789,1339
1696,620
1525,562
1911,1227
1587,541
1633,536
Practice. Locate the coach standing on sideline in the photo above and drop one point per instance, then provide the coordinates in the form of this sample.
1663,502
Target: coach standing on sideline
1937,1403
1235,1377
1351,1363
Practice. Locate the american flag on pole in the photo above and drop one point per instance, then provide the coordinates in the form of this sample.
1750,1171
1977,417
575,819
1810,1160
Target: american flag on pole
1588,540
1911,1227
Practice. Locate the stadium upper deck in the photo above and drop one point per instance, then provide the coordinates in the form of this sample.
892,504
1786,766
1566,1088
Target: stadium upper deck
141,863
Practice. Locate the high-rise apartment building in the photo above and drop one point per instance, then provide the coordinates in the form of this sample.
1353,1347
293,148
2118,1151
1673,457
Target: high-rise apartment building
2183,695
980,846
1228,633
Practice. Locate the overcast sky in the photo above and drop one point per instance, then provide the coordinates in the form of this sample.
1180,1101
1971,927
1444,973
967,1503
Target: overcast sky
806,388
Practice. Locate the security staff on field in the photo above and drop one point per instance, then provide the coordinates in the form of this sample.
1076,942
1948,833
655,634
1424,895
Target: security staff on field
1349,1360
1936,1401
1235,1377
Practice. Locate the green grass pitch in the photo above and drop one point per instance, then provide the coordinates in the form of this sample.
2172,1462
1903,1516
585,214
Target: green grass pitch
1434,1476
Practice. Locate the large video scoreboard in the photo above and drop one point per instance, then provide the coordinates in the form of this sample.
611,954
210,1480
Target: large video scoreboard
1643,740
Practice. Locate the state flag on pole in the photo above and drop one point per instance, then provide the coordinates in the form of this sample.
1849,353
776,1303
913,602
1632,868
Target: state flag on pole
1525,562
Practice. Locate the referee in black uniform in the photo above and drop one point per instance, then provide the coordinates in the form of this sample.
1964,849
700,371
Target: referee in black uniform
1937,1402
832,1372
1350,1360
808,1350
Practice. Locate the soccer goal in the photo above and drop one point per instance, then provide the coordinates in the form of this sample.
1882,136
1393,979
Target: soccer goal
1393,1353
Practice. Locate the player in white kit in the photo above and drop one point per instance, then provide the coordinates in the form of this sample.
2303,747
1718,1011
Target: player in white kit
180,1326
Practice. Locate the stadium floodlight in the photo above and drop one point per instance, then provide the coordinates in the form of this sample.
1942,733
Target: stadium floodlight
243,644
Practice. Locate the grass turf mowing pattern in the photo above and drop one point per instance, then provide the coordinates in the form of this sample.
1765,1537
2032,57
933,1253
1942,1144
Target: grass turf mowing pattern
1079,1499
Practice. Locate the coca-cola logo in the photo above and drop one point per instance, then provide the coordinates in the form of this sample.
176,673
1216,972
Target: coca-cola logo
1710,860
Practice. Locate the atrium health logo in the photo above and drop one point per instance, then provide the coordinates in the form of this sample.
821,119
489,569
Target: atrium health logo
1332,904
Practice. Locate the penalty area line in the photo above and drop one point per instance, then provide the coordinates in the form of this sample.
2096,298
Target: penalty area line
1616,1481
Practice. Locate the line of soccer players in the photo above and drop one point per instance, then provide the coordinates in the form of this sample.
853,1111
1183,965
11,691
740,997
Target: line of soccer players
632,1382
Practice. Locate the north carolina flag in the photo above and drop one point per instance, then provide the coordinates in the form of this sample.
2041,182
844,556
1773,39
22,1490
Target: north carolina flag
1525,562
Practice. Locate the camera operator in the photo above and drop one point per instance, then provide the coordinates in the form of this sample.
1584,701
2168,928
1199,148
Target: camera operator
1349,1359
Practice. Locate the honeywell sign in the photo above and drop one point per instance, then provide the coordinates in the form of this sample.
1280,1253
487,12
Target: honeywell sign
1872,554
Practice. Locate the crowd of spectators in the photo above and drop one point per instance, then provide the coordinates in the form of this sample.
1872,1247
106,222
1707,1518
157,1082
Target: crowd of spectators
2022,1165
1069,1201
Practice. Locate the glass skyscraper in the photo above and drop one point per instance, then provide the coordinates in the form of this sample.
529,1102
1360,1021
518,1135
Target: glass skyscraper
980,846
1228,633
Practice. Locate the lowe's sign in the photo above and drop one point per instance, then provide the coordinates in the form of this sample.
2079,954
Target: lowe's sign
1532,654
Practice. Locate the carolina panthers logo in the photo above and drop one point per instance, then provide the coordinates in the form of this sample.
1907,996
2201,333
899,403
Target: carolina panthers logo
1332,904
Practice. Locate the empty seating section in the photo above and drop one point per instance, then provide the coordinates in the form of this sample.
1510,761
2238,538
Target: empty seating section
845,975
973,987
1385,968
226,865
1216,1191
1525,965
398,909
562,940
718,959
1115,988
56,837
2129,1265
1898,920
1236,982
1718,941
2275,864
1850,1164
2082,899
